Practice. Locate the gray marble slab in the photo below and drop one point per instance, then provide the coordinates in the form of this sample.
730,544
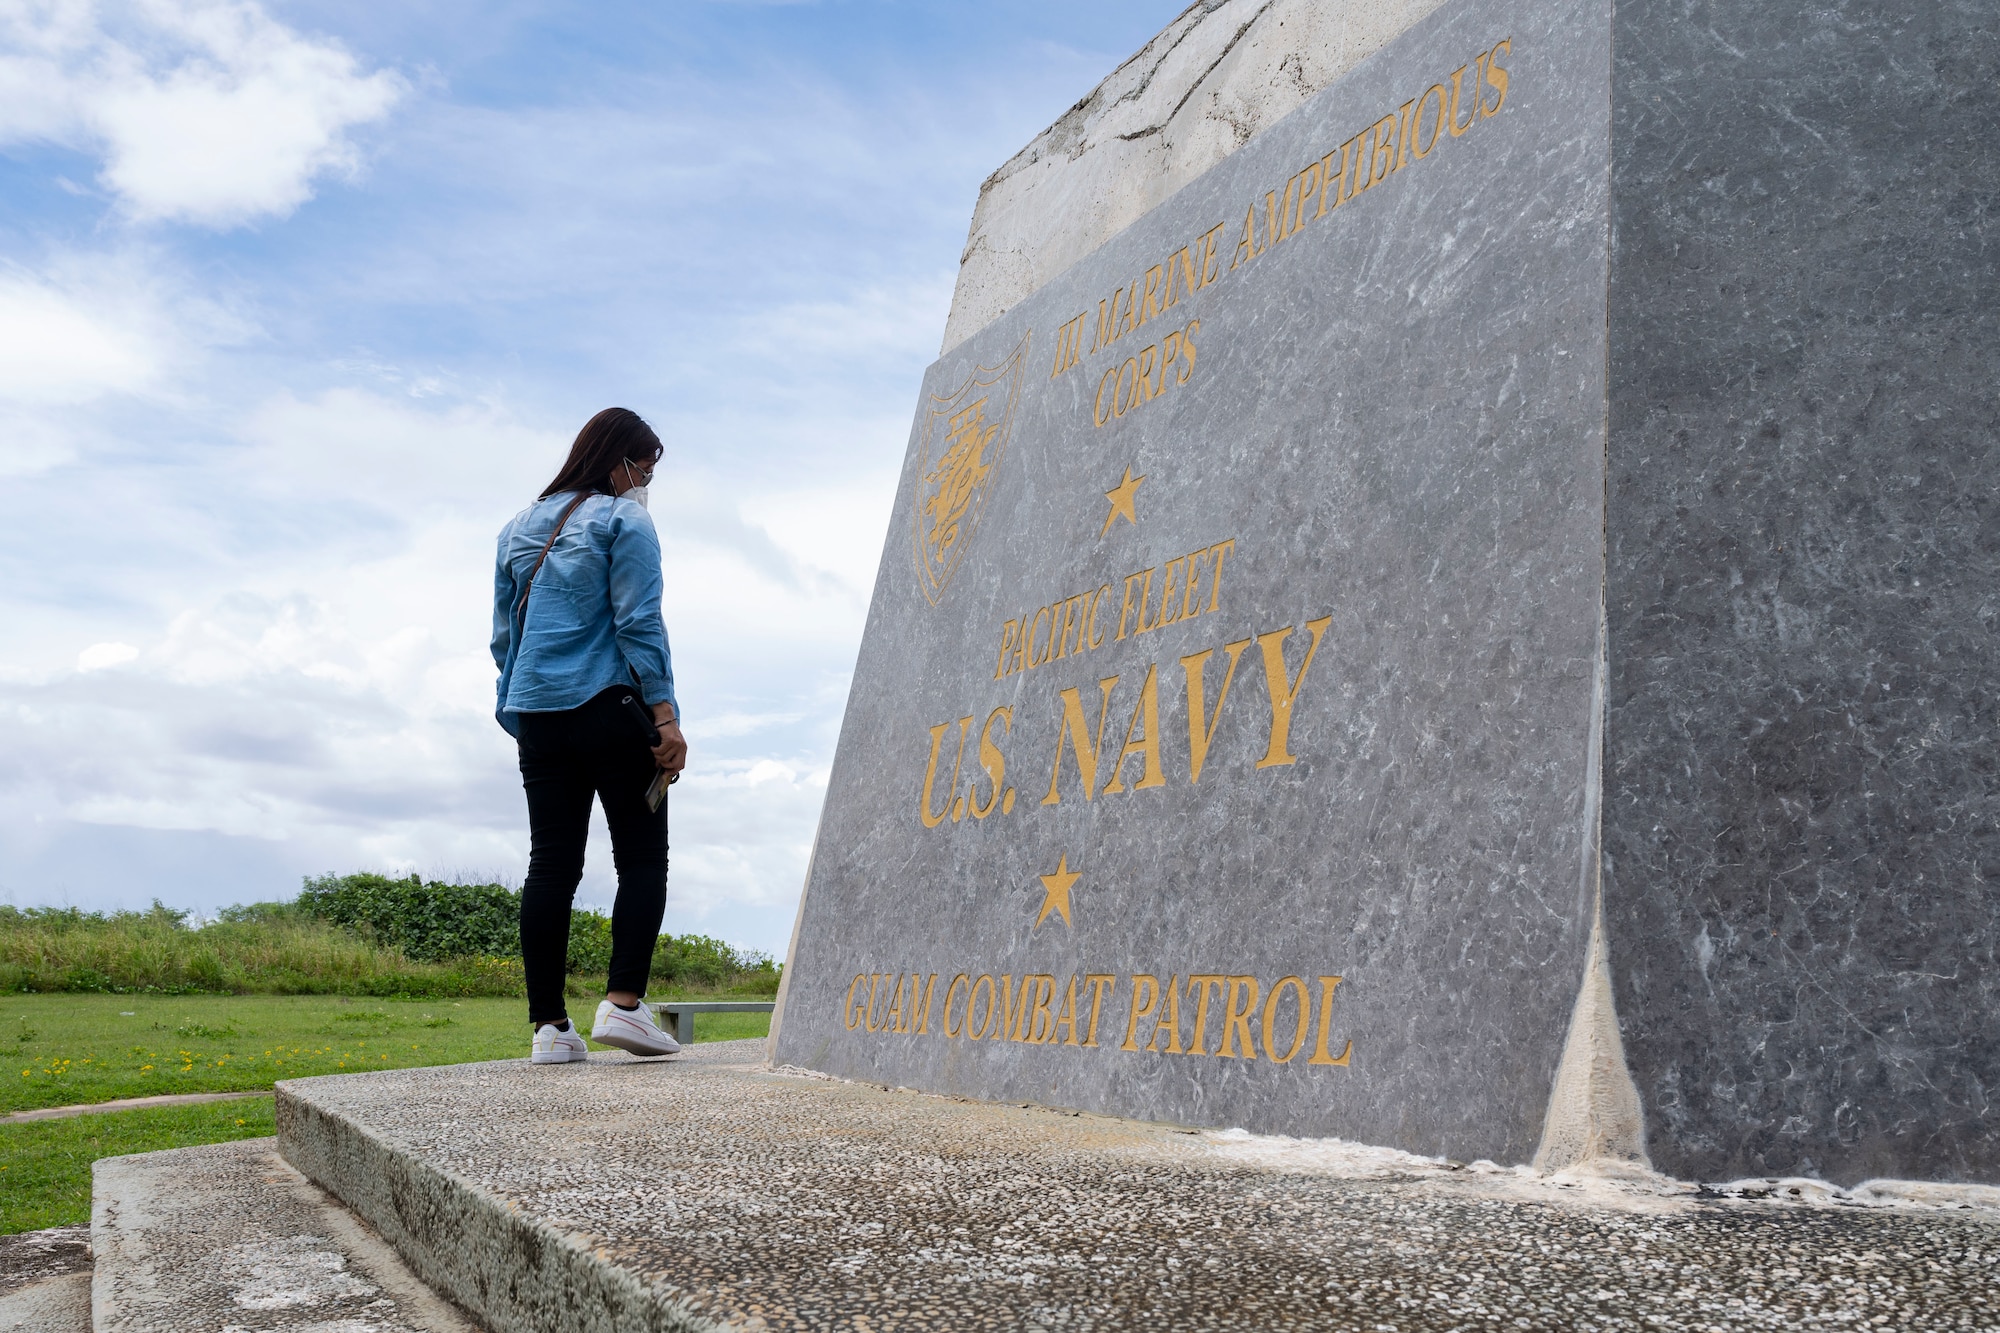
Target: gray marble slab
1802,762
1396,415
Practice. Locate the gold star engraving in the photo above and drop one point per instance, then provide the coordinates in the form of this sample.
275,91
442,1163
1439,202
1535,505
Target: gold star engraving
1055,890
1121,497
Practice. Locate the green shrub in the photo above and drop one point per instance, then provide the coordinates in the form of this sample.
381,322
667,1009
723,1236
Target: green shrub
429,922
345,935
63,949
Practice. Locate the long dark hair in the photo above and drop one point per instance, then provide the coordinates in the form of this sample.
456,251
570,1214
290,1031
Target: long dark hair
606,440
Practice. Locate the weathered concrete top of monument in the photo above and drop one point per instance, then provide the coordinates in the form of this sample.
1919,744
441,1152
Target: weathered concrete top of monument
1212,80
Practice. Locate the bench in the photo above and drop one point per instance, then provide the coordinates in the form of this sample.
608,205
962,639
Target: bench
677,1016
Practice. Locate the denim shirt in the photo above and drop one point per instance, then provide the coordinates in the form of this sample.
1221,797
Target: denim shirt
594,618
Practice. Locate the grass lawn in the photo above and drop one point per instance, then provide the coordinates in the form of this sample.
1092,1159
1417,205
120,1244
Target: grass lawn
45,1164
68,1049
65,1049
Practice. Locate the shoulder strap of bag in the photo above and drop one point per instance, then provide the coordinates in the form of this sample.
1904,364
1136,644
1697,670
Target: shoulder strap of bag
521,607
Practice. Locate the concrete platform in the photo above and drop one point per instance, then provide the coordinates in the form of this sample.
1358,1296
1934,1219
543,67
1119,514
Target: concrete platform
703,1192
229,1237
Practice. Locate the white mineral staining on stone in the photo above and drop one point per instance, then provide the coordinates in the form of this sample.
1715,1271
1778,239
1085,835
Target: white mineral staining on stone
1594,1114
287,1274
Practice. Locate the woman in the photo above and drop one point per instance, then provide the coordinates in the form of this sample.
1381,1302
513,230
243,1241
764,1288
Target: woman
582,651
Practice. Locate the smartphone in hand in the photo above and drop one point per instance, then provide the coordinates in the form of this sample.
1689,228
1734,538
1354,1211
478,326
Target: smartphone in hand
657,790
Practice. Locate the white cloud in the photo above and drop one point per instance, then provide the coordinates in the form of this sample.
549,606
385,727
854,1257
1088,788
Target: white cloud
89,326
101,655
206,111
55,349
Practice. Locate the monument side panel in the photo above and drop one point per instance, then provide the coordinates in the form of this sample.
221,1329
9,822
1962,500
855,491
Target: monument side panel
1802,827
1217,746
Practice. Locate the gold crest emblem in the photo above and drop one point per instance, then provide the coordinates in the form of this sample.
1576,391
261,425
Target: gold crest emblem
964,439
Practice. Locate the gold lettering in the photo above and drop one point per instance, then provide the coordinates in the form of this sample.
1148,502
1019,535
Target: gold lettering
1016,1028
1171,1020
1190,607
1208,981
1187,350
868,1019
1008,633
893,1020
1146,985
1497,84
992,760
1066,350
1121,397
1066,1019
1142,384
1033,1030
1451,123
1096,639
978,1031
1278,752
1171,569
1340,183
1181,274
1219,550
1107,326
1271,1015
950,991
922,1004
1201,731
1145,600
1418,147
930,773
1209,259
852,1015
1152,305
1384,154
1109,378
1035,637
1309,182
1069,609
1170,352
1319,1055
1247,247
1236,1018
1274,219
1098,981
1073,730
1126,612
1148,747
1402,135
1131,320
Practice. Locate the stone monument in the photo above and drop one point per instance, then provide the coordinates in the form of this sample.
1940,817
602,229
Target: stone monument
1464,621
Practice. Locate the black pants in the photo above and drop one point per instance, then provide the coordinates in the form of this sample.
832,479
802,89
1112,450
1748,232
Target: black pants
566,758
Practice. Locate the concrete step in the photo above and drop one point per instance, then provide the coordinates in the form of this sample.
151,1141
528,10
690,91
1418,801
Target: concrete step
705,1191
230,1237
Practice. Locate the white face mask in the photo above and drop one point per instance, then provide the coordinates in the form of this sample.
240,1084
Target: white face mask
636,494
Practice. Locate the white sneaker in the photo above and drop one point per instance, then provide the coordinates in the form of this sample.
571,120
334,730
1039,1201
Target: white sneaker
553,1046
634,1030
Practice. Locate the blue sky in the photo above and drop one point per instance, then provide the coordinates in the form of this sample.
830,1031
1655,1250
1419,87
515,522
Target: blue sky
299,302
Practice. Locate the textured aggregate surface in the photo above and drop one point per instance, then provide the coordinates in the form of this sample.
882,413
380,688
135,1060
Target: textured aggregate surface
230,1237
738,1196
